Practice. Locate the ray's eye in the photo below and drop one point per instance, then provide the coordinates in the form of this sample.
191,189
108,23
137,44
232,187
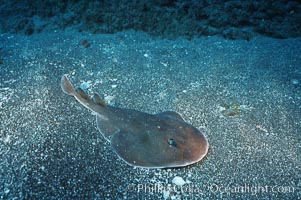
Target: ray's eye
172,142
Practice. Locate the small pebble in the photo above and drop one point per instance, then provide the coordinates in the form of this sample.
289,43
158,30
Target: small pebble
178,181
6,191
85,85
109,98
295,81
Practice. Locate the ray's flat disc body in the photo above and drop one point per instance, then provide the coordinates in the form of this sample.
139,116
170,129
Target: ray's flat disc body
159,141
162,140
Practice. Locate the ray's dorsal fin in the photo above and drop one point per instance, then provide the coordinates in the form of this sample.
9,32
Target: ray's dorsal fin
82,93
97,100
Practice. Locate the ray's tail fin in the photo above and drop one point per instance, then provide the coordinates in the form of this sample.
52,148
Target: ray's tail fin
67,86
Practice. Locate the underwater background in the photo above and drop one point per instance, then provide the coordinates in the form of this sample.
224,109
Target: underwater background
230,68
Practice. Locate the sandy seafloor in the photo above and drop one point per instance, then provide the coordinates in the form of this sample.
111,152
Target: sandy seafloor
244,95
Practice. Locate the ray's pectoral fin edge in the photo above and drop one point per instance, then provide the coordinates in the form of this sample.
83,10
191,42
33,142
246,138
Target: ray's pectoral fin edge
127,148
106,127
170,113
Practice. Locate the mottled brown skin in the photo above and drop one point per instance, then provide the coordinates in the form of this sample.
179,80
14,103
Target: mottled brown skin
162,140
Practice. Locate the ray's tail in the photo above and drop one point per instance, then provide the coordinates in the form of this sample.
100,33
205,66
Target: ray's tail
86,100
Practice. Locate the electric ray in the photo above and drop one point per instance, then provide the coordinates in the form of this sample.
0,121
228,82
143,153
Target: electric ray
162,140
